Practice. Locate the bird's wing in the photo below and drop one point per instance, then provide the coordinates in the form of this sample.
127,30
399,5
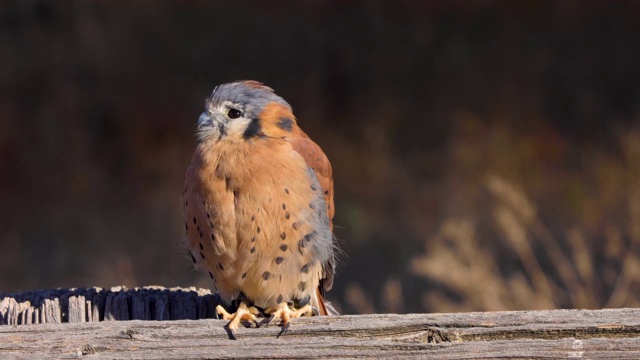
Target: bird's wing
319,163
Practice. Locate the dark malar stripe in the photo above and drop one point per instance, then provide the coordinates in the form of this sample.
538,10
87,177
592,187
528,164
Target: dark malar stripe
254,129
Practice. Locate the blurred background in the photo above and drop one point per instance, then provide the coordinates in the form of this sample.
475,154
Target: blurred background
486,154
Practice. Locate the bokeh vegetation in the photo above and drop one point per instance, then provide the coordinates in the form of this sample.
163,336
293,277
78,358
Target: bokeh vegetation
486,154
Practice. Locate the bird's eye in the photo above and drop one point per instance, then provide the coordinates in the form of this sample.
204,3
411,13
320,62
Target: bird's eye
234,114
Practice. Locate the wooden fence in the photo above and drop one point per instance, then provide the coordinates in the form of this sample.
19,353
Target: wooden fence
74,323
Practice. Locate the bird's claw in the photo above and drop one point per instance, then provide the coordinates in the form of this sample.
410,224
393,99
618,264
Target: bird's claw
267,321
284,312
284,330
242,313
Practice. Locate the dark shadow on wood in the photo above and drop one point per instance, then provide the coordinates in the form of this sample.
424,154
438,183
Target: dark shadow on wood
96,304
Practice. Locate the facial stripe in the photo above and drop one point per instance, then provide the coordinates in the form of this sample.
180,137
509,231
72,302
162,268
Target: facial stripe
254,129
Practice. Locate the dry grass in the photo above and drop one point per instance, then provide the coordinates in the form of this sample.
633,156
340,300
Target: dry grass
529,266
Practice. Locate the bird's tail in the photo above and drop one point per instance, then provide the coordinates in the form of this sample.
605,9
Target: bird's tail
325,307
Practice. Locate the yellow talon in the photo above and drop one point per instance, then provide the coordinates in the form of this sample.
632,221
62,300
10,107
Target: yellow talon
242,313
285,313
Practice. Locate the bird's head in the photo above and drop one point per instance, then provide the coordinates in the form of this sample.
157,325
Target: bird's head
244,111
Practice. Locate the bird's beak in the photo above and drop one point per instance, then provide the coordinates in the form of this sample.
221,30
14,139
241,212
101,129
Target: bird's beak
209,123
205,120
215,119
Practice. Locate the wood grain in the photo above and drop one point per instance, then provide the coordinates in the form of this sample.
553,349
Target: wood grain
587,334
96,304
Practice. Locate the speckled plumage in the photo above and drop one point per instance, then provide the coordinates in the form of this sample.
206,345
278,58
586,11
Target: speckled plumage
258,201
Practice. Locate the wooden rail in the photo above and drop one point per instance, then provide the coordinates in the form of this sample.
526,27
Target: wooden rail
573,334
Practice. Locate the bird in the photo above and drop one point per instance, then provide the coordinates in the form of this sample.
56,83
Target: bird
258,208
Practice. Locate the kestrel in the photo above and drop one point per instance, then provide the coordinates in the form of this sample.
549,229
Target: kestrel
258,207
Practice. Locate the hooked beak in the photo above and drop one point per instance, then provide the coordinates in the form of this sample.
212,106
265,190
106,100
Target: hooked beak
209,123
216,120
205,120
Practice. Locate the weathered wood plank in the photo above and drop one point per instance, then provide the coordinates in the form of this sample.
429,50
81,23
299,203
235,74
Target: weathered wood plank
588,334
96,304
612,334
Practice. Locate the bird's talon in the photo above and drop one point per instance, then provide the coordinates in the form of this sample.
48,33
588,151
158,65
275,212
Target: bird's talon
284,312
242,313
284,330
222,313
268,321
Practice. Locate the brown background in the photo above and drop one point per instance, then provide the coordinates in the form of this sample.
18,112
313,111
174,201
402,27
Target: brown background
486,153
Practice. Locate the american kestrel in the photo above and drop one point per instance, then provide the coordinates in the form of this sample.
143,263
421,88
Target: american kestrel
258,207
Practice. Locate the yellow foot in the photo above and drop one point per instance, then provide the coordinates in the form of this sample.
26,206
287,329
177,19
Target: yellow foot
284,312
243,313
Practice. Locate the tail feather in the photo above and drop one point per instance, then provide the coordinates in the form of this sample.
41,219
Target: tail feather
325,307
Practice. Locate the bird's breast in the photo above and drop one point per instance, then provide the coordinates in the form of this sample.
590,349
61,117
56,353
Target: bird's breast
260,223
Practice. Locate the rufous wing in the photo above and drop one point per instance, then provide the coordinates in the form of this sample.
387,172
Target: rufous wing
318,161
